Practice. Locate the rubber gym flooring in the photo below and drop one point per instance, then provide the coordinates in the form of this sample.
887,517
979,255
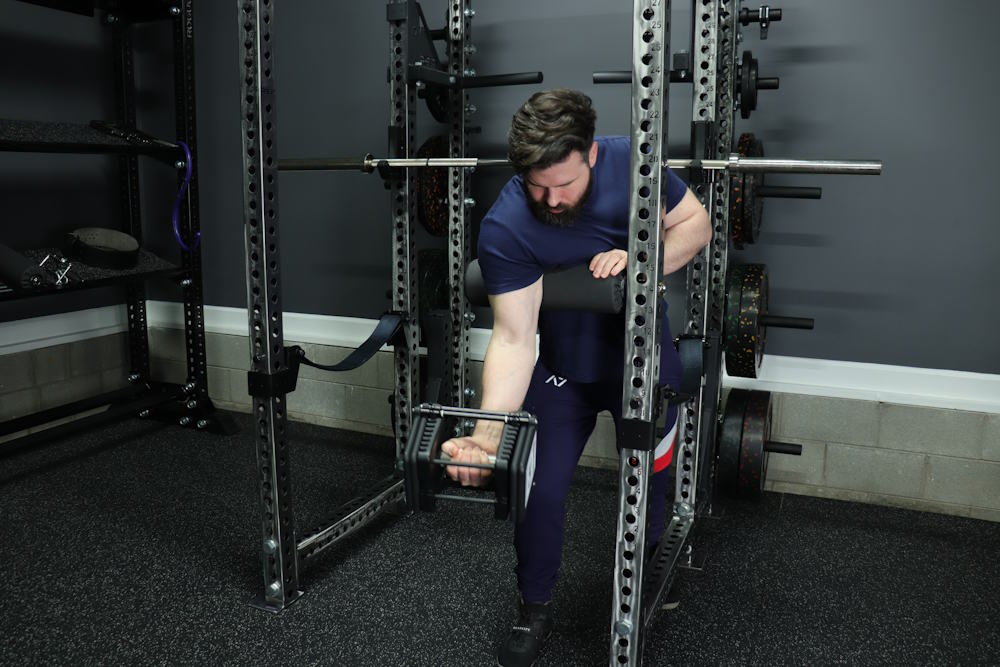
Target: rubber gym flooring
137,543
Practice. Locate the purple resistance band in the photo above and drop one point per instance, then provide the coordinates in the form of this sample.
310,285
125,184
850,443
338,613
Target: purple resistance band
180,196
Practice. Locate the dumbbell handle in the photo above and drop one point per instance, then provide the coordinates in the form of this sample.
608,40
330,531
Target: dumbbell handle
781,192
467,499
780,322
783,448
485,466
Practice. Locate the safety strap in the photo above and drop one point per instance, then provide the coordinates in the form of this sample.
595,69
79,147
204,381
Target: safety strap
388,328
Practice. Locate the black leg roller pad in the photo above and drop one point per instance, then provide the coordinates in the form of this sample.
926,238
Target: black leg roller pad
513,468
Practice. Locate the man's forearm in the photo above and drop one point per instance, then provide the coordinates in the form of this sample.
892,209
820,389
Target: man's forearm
507,369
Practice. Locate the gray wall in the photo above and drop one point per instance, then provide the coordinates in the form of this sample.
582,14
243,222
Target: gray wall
896,269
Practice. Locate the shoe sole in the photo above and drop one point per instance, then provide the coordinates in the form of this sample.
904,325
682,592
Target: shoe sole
545,638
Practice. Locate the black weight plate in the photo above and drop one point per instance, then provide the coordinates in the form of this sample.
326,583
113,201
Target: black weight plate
753,457
750,334
432,188
737,195
730,441
432,279
692,354
748,85
753,206
730,327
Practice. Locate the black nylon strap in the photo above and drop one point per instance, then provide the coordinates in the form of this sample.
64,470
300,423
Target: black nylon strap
388,329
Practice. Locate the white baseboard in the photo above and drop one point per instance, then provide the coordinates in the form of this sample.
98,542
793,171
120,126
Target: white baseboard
975,392
37,332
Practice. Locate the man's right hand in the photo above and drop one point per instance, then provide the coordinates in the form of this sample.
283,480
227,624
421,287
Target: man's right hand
470,449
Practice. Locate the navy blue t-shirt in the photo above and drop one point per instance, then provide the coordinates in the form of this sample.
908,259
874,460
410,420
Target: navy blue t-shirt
515,249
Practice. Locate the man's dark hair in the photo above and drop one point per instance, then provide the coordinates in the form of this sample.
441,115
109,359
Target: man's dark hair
548,127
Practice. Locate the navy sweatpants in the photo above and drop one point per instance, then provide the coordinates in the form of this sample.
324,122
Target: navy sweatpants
567,413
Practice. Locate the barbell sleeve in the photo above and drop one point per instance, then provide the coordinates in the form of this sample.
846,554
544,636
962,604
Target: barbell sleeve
783,448
789,166
768,83
780,322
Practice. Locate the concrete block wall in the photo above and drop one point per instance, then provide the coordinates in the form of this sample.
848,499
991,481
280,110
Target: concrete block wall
52,376
921,458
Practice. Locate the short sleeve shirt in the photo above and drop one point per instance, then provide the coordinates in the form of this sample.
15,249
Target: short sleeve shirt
515,249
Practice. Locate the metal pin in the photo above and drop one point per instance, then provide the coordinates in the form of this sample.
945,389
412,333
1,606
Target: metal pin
42,263
60,278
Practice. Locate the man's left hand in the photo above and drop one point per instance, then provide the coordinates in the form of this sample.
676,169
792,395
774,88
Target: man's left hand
609,263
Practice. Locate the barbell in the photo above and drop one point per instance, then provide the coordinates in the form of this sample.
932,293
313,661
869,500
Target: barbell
734,162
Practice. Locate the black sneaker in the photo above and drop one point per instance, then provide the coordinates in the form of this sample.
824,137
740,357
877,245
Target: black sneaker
533,627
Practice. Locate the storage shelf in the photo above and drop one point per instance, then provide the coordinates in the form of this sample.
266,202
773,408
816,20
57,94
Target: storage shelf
27,136
83,276
133,10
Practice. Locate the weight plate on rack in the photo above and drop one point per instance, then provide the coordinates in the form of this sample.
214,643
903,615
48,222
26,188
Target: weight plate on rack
746,208
744,433
744,342
753,457
753,205
432,188
730,439
748,84
730,327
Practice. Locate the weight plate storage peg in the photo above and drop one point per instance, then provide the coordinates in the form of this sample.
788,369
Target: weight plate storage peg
747,194
745,444
747,319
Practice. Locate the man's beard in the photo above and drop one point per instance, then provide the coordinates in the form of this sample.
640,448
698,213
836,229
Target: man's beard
568,215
